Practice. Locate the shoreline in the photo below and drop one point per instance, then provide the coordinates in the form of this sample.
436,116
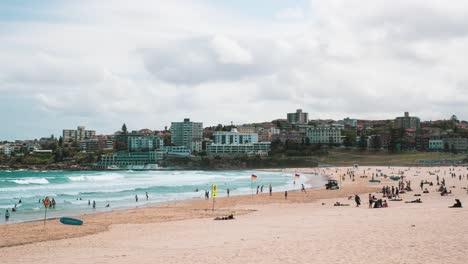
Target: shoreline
163,212
305,228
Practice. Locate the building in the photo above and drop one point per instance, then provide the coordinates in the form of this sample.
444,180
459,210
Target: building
246,129
89,145
348,122
458,144
298,118
71,135
234,137
436,144
137,143
324,134
181,151
131,160
259,148
8,149
187,133
407,122
292,136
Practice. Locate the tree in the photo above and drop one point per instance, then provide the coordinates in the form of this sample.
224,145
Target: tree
124,128
376,143
60,142
363,142
350,138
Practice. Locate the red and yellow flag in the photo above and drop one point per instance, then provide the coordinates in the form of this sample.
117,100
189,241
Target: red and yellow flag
297,176
253,177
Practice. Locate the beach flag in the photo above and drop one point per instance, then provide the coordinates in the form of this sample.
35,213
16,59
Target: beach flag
297,176
253,177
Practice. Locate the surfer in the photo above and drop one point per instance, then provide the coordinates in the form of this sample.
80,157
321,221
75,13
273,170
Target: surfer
7,215
147,196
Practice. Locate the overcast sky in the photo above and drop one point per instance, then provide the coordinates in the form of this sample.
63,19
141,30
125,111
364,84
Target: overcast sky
147,63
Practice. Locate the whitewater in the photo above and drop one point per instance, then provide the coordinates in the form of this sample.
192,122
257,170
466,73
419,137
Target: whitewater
73,190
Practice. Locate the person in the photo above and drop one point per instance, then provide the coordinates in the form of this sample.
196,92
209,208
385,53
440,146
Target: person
19,201
94,204
303,188
425,191
258,188
89,202
357,199
285,195
227,190
136,197
457,204
7,215
261,189
385,204
370,200
271,189
53,203
108,205
147,196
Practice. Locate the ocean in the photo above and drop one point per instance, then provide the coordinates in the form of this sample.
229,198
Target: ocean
72,190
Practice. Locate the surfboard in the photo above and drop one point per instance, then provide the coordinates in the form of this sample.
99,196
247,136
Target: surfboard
374,180
70,221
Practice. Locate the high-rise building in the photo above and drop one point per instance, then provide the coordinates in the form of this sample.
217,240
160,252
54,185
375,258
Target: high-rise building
187,133
298,118
144,143
71,135
407,122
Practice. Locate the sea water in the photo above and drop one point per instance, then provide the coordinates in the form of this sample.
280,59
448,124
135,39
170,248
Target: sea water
73,190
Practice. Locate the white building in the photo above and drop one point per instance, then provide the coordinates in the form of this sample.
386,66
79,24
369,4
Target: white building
71,135
186,133
324,134
234,137
260,148
436,144
144,143
8,149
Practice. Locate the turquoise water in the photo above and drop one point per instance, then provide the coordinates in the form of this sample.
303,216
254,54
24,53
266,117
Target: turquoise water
72,190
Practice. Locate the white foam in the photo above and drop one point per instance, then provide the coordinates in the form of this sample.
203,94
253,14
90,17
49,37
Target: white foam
96,178
31,181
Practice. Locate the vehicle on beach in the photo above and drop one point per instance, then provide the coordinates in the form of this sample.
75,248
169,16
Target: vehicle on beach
332,185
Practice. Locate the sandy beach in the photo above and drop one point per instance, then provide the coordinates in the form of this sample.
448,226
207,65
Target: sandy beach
305,228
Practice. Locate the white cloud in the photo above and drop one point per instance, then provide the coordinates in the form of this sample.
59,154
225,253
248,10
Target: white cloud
157,61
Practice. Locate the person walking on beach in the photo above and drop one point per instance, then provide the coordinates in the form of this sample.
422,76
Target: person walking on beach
303,188
357,199
7,215
271,189
285,195
94,204
258,188
261,189
147,196
370,200
227,192
136,198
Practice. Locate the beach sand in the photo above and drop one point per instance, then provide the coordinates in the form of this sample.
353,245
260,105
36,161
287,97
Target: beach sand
306,228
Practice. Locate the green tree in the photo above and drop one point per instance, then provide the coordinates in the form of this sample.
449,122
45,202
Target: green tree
363,142
124,128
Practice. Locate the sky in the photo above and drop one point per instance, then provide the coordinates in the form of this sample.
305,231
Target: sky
149,62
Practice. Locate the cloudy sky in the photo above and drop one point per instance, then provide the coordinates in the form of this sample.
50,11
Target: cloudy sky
147,63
